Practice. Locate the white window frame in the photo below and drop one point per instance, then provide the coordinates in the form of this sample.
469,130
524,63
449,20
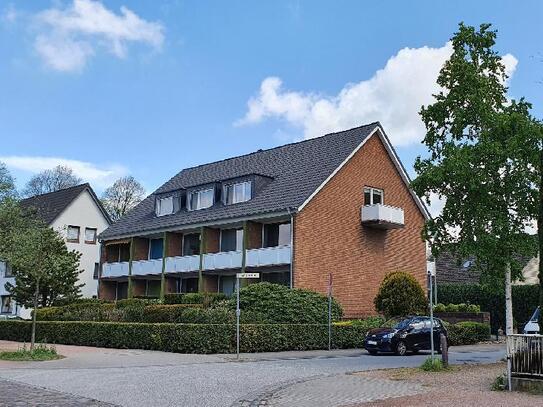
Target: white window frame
372,190
247,192
159,206
199,200
220,240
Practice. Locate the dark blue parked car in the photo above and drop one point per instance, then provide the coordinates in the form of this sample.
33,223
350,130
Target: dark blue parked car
404,335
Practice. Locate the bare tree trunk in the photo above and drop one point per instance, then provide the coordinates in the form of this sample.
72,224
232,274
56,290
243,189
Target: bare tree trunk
508,301
540,238
36,295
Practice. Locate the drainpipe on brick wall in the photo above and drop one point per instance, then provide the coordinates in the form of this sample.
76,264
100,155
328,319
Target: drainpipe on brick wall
200,269
130,260
245,242
291,246
163,275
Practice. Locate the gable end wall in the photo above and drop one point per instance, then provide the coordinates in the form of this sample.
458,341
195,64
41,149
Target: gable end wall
329,236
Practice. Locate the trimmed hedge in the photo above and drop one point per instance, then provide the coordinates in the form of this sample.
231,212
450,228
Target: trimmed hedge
525,301
189,338
400,294
206,299
457,308
467,333
278,304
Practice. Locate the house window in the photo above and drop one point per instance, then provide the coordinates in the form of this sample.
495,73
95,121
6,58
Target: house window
5,270
90,235
164,206
191,244
373,196
236,193
231,240
276,234
201,199
7,305
73,234
156,246
96,273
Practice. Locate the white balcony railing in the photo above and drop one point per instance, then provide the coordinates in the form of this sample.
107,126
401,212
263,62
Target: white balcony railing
147,267
268,256
382,216
222,260
118,269
182,264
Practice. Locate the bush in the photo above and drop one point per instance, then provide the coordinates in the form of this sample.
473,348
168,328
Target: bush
206,299
525,301
189,338
433,365
400,294
277,304
467,333
457,308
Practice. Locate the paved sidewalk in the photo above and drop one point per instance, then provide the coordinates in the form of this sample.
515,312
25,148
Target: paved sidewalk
15,394
330,391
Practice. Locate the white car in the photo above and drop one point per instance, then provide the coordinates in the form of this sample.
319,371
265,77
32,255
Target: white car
532,327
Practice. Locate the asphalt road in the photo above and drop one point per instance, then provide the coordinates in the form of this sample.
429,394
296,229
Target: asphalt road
145,378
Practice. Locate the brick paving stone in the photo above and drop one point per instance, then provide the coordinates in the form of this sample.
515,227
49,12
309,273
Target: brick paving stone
331,391
13,394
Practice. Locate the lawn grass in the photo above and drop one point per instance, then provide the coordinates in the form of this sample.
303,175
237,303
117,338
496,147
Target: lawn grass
39,353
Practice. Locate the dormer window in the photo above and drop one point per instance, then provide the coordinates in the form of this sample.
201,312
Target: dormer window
164,206
201,199
238,192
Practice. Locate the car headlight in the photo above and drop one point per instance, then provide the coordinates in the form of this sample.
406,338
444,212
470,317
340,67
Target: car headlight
389,336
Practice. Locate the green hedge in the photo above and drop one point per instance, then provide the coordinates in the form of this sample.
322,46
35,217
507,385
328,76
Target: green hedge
189,338
206,299
467,333
525,301
278,304
457,308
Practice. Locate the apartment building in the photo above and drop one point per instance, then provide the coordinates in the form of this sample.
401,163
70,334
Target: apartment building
78,215
339,204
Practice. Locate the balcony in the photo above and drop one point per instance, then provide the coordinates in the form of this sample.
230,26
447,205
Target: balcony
222,260
382,216
268,256
147,267
118,269
182,264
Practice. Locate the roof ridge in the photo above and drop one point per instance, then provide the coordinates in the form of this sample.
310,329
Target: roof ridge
85,184
278,147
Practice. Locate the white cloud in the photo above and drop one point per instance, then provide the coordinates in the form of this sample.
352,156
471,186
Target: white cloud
393,96
99,176
10,14
68,37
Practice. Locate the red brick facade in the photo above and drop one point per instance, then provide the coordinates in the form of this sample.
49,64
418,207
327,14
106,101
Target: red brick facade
329,236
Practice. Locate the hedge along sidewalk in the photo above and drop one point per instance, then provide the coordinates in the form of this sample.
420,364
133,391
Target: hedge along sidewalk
187,338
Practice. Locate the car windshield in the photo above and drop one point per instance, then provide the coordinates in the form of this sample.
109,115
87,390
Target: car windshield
535,317
403,324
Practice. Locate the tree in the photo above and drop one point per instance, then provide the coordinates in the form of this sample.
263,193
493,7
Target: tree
7,183
43,268
51,180
122,196
481,162
400,294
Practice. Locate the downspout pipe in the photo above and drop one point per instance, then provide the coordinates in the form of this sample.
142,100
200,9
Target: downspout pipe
291,212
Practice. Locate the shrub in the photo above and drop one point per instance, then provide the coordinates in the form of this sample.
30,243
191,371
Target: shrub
189,338
467,333
457,308
277,304
525,301
206,299
433,365
400,294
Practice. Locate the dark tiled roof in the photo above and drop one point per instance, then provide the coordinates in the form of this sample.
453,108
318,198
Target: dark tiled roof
451,270
49,206
296,170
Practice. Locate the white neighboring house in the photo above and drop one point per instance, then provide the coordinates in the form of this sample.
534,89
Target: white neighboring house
79,216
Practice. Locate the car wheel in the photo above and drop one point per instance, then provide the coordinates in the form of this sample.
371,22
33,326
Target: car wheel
372,352
401,348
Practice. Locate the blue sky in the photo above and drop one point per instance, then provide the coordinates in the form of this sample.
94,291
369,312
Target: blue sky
148,88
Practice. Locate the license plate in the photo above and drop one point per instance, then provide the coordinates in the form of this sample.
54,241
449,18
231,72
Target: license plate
372,343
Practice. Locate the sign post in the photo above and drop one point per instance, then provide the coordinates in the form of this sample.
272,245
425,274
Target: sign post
330,311
431,313
238,312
